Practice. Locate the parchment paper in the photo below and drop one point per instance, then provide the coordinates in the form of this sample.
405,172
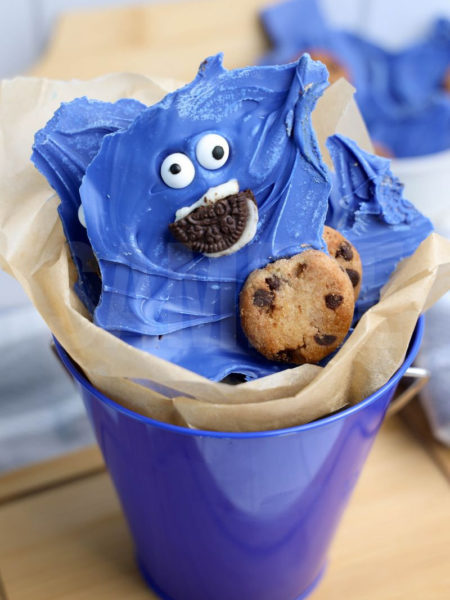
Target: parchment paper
34,251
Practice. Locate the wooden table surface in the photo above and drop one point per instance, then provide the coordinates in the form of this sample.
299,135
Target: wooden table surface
167,40
65,539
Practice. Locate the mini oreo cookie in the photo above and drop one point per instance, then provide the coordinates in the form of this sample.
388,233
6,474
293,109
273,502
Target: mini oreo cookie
297,310
346,255
214,227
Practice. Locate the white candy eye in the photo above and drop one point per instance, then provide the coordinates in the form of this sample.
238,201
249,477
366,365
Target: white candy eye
212,151
177,170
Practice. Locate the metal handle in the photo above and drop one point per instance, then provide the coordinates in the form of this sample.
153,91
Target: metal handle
419,378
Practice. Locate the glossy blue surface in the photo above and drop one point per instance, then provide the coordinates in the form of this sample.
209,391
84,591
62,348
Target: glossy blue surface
231,516
157,294
62,151
367,206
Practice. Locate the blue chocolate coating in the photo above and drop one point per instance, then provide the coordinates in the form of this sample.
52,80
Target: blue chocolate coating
367,207
401,94
182,306
62,151
154,286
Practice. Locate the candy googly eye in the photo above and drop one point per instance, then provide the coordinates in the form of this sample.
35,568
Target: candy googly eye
177,170
212,151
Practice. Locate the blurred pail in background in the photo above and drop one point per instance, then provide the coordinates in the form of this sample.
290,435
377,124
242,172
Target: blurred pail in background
427,185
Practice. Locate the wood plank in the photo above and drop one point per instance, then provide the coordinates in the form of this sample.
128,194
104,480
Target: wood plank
393,541
71,542
45,475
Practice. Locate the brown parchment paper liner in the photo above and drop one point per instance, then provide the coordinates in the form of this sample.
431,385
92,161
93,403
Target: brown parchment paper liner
34,251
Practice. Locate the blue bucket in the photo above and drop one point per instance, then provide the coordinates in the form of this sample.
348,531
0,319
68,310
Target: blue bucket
235,516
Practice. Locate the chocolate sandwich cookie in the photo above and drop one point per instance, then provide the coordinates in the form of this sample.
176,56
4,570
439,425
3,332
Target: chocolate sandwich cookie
297,310
215,228
346,255
221,222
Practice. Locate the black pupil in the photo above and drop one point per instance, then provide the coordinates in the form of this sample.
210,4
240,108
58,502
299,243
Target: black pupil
175,168
218,152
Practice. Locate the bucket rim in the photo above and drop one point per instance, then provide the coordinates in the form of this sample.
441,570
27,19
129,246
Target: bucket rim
413,349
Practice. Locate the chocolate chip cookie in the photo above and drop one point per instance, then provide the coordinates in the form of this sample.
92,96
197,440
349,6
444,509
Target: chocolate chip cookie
297,310
346,255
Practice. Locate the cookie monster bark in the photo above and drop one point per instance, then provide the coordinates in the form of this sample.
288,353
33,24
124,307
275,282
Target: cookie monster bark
161,295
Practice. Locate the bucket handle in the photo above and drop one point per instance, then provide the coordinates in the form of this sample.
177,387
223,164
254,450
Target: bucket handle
416,379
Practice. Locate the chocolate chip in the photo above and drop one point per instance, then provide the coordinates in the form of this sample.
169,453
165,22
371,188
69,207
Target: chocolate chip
300,269
345,250
333,300
273,282
354,276
263,298
291,355
325,339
